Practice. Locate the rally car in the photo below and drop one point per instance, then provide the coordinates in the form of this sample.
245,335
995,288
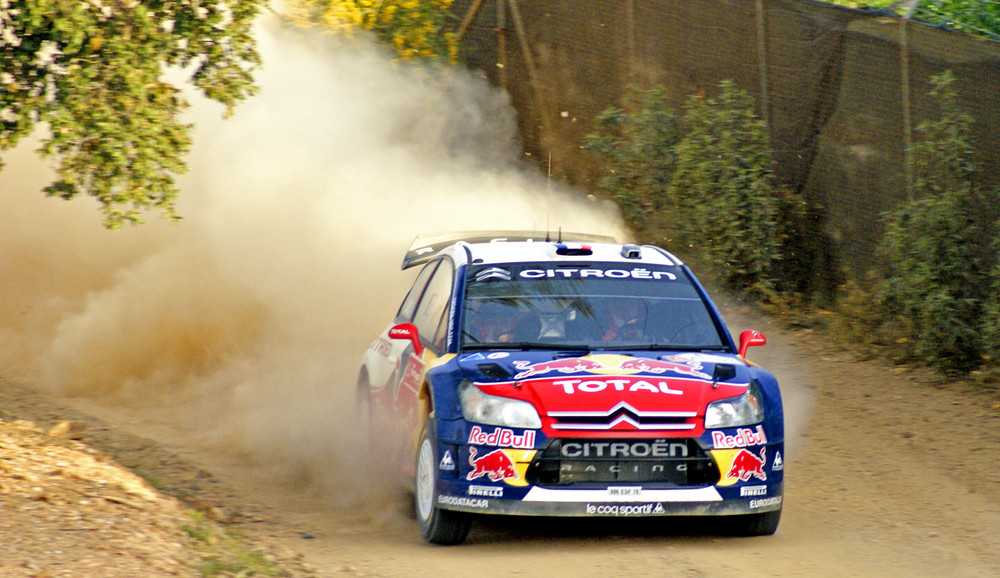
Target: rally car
569,377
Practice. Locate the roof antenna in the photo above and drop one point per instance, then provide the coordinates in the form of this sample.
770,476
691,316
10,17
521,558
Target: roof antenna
548,199
560,234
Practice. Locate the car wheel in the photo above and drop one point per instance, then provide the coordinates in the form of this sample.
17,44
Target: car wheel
757,524
437,526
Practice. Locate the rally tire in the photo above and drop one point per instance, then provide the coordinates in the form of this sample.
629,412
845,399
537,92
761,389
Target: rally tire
764,524
437,526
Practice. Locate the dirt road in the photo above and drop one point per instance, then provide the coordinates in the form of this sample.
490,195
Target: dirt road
204,355
888,472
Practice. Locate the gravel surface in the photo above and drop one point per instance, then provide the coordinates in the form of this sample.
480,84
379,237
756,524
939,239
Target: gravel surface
890,470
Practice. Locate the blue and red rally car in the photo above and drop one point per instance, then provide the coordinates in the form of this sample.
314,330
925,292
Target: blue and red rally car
578,377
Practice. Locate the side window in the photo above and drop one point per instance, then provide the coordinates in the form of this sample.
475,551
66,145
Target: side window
413,297
434,303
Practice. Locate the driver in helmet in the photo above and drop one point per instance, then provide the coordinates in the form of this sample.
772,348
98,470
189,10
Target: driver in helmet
494,324
625,319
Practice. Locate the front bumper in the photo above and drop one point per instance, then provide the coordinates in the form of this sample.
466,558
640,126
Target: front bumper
611,477
625,501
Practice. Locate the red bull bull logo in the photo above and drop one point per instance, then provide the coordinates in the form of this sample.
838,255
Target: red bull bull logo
569,365
495,465
746,465
657,366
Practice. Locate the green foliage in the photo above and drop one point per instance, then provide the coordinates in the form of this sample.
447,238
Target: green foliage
704,181
973,16
92,73
723,186
225,553
943,156
934,281
939,302
863,3
414,28
199,529
991,323
934,286
857,324
636,145
240,563
978,17
794,267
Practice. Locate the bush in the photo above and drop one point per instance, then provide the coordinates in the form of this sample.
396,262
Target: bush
934,282
636,145
934,245
723,186
991,323
703,182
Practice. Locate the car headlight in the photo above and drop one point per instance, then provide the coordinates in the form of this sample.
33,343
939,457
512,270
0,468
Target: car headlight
489,409
746,409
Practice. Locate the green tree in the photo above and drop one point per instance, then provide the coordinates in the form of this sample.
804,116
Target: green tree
636,146
978,17
91,73
935,284
702,182
414,28
723,186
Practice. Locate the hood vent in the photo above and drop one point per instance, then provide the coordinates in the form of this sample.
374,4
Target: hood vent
494,371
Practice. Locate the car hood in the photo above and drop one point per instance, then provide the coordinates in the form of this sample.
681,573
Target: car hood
616,392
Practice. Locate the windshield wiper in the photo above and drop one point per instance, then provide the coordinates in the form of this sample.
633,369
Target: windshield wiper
658,346
524,345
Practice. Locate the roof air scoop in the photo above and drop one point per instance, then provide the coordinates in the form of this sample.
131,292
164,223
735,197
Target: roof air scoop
631,251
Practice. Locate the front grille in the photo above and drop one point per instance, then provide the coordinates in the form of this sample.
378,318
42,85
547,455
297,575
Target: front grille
623,416
673,463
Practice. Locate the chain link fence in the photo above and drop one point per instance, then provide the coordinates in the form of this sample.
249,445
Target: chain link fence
842,90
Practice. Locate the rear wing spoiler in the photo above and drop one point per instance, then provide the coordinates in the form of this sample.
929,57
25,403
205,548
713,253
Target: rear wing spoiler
426,246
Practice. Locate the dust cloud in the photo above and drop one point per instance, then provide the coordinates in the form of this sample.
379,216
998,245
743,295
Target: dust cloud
245,323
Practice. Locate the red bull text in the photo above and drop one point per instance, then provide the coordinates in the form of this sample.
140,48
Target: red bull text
502,437
744,437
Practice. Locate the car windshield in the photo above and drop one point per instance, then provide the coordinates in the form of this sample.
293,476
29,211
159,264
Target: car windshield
587,306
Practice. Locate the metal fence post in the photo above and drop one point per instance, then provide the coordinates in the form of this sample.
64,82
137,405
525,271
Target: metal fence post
904,73
765,107
529,63
630,31
502,43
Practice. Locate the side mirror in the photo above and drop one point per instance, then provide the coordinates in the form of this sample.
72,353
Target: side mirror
408,331
750,338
